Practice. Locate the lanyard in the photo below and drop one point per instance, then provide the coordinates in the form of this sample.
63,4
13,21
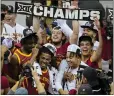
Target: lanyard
64,81
53,81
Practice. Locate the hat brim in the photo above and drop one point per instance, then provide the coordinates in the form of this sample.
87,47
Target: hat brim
83,26
89,28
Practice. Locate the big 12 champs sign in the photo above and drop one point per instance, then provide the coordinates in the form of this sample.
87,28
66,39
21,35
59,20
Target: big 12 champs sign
66,3
55,12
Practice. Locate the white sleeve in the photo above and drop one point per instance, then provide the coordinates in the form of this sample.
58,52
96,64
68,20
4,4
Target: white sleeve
58,82
37,67
65,28
63,65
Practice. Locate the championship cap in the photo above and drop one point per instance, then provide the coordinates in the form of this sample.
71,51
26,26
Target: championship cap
51,47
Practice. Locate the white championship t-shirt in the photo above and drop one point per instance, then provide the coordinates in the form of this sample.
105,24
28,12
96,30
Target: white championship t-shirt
16,32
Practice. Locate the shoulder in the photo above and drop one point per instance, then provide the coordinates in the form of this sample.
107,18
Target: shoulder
63,64
14,59
54,70
66,44
7,26
14,56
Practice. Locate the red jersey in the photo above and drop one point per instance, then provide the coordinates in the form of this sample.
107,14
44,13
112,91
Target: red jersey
45,79
61,52
5,69
92,64
4,82
18,45
30,87
14,49
22,58
28,84
107,51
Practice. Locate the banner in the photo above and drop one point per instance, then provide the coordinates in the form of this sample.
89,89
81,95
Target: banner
109,13
56,13
66,3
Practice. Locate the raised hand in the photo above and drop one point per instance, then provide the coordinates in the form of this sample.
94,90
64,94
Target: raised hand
21,78
35,51
78,83
97,23
74,5
69,76
34,72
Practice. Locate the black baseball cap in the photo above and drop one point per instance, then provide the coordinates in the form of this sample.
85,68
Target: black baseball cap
85,38
91,75
90,25
85,89
28,32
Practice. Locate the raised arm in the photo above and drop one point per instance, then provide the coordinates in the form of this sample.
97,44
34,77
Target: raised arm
74,37
14,65
42,36
96,55
34,54
36,22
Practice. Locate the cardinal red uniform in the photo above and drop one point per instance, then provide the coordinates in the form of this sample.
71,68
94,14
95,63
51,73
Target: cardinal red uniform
29,85
61,52
92,64
22,58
